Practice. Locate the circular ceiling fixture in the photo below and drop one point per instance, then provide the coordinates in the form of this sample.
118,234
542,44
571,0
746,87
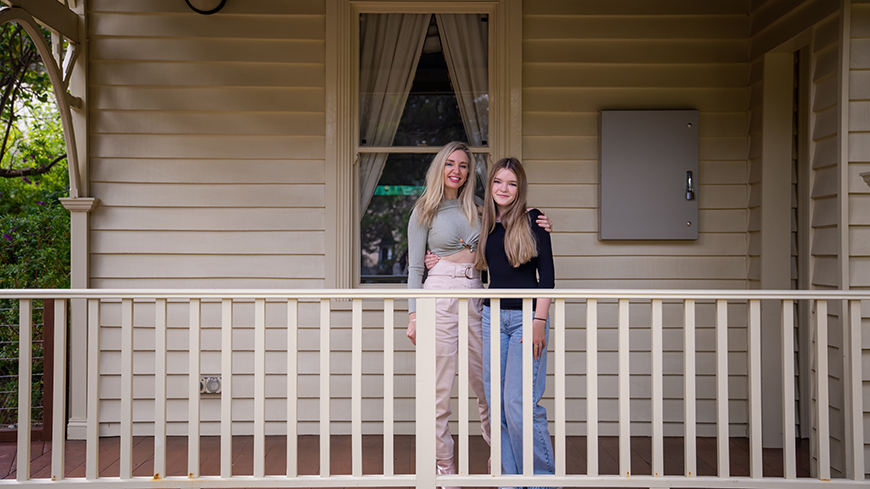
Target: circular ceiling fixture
205,7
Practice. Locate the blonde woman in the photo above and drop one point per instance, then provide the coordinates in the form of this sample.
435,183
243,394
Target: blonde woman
518,255
446,220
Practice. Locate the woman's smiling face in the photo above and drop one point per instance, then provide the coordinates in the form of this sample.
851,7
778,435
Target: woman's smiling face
504,188
455,172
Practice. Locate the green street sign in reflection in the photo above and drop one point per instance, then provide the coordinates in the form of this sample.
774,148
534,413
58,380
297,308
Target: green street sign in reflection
399,190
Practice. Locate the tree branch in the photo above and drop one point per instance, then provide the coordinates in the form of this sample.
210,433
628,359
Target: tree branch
26,172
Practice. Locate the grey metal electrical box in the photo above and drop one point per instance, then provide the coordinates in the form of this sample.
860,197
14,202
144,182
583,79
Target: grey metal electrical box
648,186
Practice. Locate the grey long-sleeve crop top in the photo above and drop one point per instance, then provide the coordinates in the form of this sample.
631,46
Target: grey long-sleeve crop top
450,233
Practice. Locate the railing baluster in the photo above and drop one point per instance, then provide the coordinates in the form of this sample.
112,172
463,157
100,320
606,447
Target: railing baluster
356,389
756,469
425,394
193,389
389,331
93,429
722,466
495,385
25,367
689,437
463,387
324,387
292,390
624,391
854,403
658,449
528,394
226,388
58,423
259,388
822,402
160,389
126,455
789,464
559,398
592,387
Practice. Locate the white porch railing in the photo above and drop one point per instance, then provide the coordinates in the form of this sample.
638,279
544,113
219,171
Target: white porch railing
425,476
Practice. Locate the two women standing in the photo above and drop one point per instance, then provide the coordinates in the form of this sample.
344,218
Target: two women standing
446,220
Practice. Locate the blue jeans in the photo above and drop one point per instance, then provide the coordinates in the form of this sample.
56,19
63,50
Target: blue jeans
512,394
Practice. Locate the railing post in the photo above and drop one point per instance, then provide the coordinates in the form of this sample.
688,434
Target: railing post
425,388
25,367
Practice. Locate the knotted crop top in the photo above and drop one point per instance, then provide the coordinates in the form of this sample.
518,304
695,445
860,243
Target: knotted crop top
449,233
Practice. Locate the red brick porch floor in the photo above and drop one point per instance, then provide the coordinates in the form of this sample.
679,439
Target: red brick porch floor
404,460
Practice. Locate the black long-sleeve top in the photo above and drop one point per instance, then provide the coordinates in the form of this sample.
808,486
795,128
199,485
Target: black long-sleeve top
538,272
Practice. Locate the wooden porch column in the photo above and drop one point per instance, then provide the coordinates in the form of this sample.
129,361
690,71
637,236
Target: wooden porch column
776,174
78,338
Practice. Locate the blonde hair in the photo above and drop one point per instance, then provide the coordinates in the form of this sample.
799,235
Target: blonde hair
428,203
520,244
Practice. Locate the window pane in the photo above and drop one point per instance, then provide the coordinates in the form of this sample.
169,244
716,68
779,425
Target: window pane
384,225
445,98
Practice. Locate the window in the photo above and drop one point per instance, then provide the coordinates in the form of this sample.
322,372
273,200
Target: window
423,82
360,186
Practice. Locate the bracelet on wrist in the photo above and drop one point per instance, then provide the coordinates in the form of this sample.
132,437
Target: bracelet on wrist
541,319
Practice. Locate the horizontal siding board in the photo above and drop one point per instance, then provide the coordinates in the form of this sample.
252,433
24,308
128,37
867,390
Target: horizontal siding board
201,50
827,63
826,33
587,244
159,73
207,266
825,212
651,267
586,220
636,7
273,7
859,209
826,241
261,99
631,51
561,171
560,26
859,240
226,25
859,54
206,219
189,146
859,84
594,99
207,283
571,196
826,123
208,195
860,19
151,170
859,146
539,123
826,93
825,271
825,153
859,115
208,123
859,271
825,183
770,12
574,74
207,242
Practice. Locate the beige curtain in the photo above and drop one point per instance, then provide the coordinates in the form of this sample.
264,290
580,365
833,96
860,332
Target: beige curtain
390,47
464,40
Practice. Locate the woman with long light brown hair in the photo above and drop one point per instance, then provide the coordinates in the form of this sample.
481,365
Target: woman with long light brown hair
518,255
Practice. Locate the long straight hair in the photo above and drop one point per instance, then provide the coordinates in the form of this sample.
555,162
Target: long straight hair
520,245
427,204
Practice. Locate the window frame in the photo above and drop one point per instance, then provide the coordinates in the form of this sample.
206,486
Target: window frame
342,219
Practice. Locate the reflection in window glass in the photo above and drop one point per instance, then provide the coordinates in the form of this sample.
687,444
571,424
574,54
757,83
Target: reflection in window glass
410,75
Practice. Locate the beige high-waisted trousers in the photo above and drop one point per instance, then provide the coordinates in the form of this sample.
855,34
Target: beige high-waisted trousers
449,275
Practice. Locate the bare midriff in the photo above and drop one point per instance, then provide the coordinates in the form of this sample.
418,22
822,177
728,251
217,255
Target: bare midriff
465,255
